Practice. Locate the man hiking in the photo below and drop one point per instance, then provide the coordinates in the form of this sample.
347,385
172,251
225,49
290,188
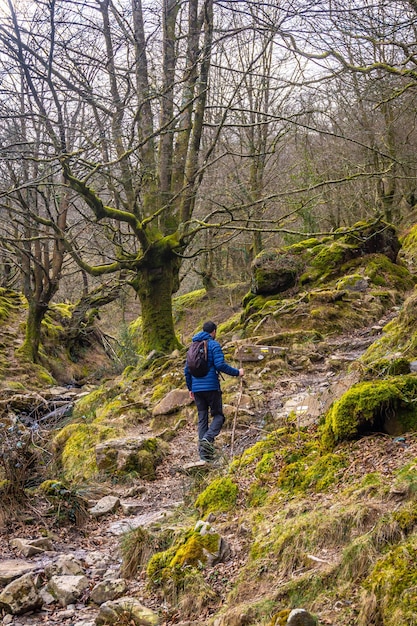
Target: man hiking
206,391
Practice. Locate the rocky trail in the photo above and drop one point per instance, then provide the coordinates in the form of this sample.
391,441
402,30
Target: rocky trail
89,556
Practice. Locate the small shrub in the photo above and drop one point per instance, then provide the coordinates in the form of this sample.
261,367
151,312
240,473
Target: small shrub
67,505
20,463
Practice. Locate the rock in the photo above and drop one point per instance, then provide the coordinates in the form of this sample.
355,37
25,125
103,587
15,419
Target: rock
300,617
108,590
145,520
65,565
47,598
195,467
274,271
29,547
61,615
67,589
106,505
131,454
174,400
20,596
131,507
14,568
134,491
97,560
218,554
114,611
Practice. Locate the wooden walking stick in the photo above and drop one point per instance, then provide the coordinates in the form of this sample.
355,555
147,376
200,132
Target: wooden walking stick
239,398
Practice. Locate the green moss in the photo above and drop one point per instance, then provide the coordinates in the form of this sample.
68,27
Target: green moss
233,324
382,368
266,465
189,551
52,487
158,568
74,447
193,551
5,486
318,476
406,478
220,495
390,588
187,301
255,453
406,517
10,301
331,255
409,248
86,406
369,405
399,338
306,244
160,390
257,495
382,272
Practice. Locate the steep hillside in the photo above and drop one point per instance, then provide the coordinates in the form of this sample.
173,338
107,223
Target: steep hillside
311,502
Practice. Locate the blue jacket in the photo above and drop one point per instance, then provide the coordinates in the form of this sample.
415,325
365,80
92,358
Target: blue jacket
216,363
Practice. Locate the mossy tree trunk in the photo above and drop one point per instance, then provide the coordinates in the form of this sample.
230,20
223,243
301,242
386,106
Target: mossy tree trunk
155,283
31,343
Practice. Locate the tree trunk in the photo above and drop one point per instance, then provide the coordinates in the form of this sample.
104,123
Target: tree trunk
30,346
155,283
83,315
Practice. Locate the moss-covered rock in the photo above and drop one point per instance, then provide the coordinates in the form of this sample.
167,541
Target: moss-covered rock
220,495
274,271
317,260
373,406
74,449
131,455
408,252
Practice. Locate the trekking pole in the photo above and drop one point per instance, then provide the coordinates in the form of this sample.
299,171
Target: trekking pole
239,398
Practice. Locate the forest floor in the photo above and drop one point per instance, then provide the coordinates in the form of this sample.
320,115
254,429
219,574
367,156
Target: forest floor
174,490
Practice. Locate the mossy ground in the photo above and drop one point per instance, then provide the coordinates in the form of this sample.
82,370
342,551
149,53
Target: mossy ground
312,526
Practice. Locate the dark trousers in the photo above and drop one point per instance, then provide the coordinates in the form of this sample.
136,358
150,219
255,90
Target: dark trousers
205,401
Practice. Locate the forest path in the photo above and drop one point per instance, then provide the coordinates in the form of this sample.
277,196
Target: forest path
305,393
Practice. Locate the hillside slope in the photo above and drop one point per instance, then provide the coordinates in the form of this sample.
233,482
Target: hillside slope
327,526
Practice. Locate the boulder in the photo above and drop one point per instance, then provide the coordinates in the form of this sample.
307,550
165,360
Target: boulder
174,400
20,596
104,506
30,547
67,589
113,612
65,565
300,617
131,454
14,568
107,590
275,271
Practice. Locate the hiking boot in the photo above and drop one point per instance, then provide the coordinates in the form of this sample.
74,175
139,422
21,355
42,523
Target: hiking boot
206,450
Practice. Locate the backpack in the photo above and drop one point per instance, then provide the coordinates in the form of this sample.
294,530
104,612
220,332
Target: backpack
197,359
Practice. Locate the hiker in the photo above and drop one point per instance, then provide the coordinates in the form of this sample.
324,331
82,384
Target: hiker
206,391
